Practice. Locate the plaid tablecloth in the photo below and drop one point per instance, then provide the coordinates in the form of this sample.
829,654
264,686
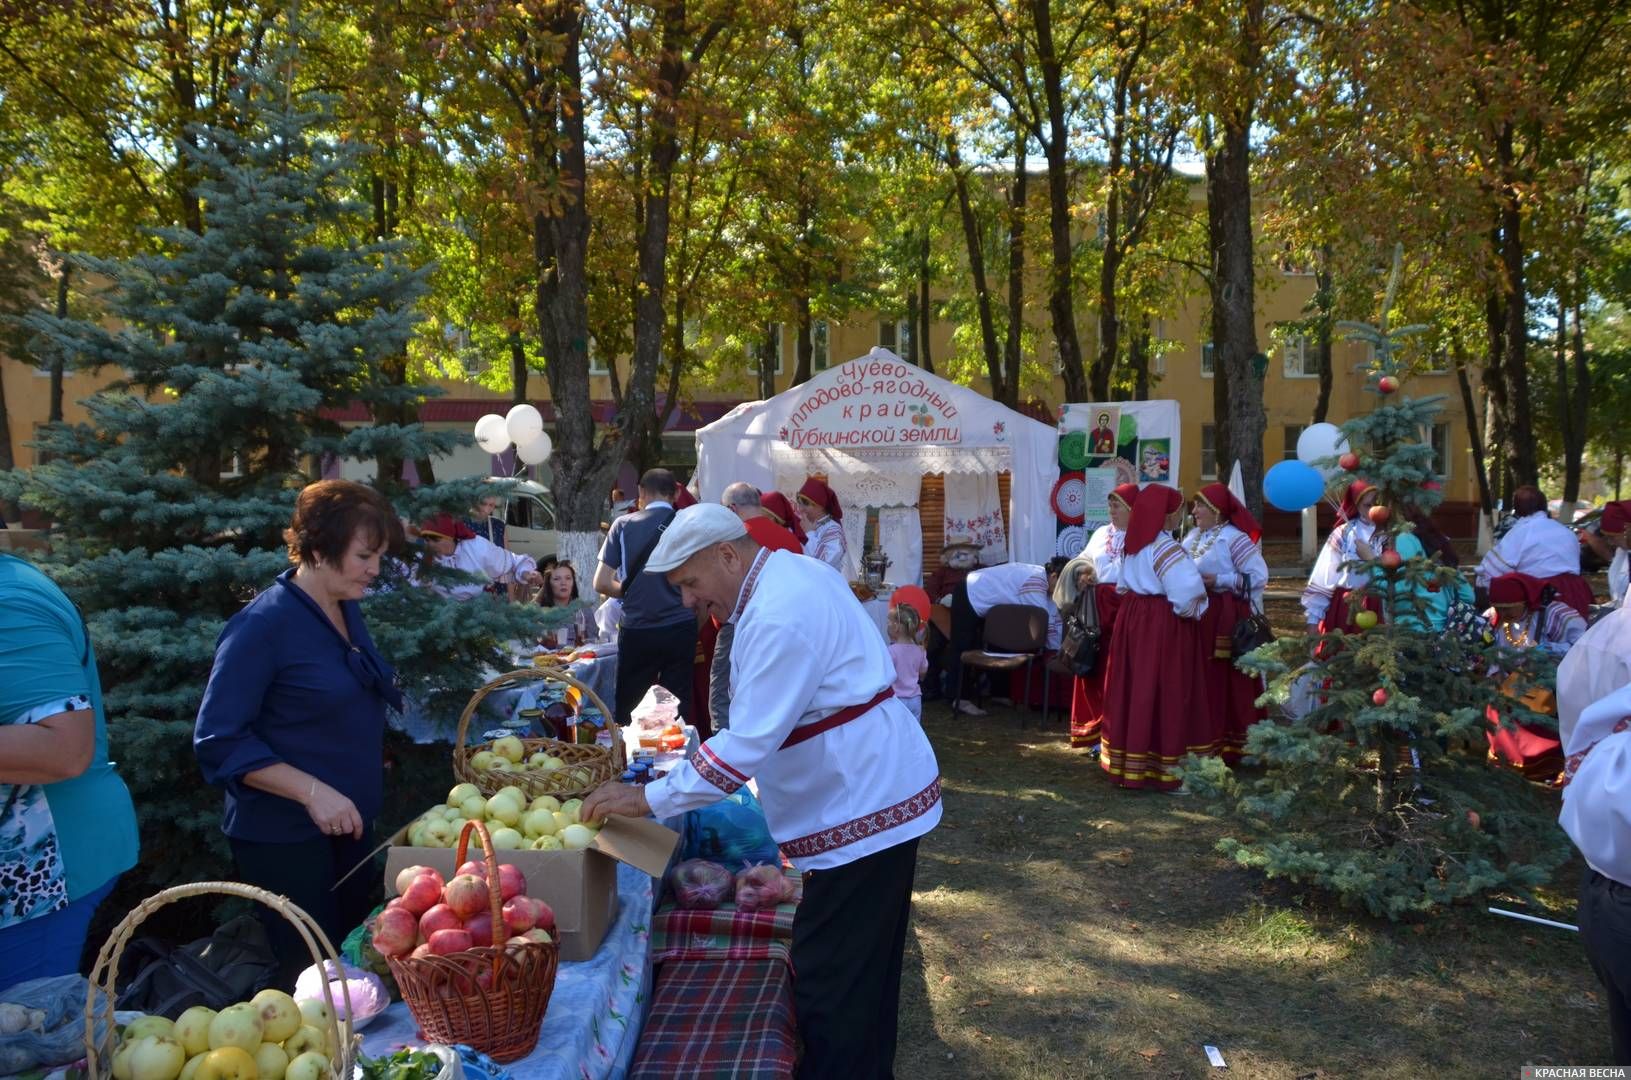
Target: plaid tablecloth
720,1017
723,934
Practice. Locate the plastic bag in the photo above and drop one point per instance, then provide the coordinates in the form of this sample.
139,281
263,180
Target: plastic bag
731,832
700,885
52,1029
760,887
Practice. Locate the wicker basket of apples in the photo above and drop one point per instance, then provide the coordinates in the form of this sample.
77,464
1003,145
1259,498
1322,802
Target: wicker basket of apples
313,1040
536,766
486,969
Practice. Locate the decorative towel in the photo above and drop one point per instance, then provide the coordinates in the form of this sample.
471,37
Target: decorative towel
974,508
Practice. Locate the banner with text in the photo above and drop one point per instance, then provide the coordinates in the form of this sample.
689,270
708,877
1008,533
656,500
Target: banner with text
873,404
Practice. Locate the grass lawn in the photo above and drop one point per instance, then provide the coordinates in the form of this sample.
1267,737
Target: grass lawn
1066,928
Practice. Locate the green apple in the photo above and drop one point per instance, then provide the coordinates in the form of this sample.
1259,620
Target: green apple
439,834
504,765
513,792
308,1066
307,1040
236,1025
271,1060
538,823
156,1057
190,1070
148,1025
509,748
576,838
506,809
507,840
474,808
280,1016
121,1061
562,820
551,763
571,808
315,1012
416,834
193,1029
547,843
461,792
545,802
482,760
536,761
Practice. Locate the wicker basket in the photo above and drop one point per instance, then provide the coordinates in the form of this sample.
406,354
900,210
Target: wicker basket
317,943
492,998
586,768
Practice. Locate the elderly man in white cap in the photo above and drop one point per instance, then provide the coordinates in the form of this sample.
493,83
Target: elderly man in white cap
1597,816
847,777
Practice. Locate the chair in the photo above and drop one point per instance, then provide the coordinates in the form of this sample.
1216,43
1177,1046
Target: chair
1016,636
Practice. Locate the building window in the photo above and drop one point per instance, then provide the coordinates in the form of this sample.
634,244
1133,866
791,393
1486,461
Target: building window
1301,362
775,336
597,366
1208,360
1438,362
1441,451
1293,432
819,345
1209,452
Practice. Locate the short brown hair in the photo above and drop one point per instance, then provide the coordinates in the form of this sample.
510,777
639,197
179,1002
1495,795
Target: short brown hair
1527,500
329,513
659,483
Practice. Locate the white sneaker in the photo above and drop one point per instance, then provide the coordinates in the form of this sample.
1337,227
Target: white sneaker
968,708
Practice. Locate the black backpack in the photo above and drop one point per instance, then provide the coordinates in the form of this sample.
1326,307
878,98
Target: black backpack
229,966
1079,648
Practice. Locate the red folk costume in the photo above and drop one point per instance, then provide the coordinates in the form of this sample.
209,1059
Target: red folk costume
1533,750
1326,599
1106,549
780,507
1229,552
1154,711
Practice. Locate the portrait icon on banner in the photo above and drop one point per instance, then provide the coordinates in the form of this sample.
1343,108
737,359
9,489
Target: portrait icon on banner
1101,438
1155,461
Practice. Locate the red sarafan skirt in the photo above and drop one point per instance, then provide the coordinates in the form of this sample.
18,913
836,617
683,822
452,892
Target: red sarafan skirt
1533,751
1087,695
1574,591
1154,702
1229,692
1338,617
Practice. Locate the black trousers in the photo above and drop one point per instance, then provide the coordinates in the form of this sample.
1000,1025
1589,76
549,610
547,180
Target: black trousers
1605,931
660,655
305,871
848,938
967,632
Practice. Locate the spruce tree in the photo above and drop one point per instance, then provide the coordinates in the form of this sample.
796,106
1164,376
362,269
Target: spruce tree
1381,792
237,345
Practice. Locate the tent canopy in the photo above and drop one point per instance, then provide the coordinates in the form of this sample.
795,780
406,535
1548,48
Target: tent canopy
875,426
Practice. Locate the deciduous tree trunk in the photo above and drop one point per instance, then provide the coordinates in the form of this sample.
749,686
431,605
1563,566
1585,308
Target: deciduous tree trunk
925,310
59,361
1323,300
1475,435
1236,389
1061,304
976,270
1017,192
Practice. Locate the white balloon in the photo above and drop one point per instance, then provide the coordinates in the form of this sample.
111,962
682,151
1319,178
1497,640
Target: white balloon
1319,441
535,451
491,435
523,422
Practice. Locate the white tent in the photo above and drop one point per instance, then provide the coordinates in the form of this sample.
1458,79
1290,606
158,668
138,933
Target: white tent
875,427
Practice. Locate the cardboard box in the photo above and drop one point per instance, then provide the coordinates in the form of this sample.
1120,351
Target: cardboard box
581,886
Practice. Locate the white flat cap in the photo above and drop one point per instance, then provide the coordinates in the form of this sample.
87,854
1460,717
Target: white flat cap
693,529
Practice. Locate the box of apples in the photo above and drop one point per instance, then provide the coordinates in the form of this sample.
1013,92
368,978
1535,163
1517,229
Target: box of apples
575,882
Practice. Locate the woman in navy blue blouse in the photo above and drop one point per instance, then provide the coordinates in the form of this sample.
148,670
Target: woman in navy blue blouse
293,720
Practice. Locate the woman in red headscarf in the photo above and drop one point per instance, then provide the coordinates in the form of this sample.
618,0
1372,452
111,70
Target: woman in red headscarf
780,507
1224,545
1610,540
1325,600
1154,710
1521,621
1104,548
821,512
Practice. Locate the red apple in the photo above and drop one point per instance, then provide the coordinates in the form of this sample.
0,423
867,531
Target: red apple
440,917
394,902
519,914
421,951
1387,384
473,866
1434,585
446,942
480,926
511,882
1349,461
543,915
1474,820
395,930
1379,698
1391,560
1379,515
466,895
423,893
405,878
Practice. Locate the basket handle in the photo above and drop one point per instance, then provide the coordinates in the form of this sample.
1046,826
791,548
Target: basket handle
106,968
541,672
494,895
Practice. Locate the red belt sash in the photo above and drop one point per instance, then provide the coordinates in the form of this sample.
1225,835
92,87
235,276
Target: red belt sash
837,719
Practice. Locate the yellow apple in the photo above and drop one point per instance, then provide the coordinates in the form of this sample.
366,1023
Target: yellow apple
227,1063
237,1025
571,807
562,820
315,1011
509,748
545,802
474,808
460,793
148,1025
503,765
512,792
507,840
193,1029
308,1066
538,823
307,1039
576,837
536,761
506,809
280,1016
121,1062
156,1057
439,834
551,763
547,843
190,1070
270,1061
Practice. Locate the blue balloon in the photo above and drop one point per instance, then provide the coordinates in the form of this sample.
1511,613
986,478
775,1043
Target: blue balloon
1293,486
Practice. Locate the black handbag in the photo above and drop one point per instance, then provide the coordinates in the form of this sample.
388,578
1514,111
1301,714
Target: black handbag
1252,632
229,966
1079,647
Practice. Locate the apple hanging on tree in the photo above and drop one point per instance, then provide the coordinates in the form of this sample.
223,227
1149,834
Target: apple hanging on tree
1380,515
1379,697
1349,461
1391,560
1387,384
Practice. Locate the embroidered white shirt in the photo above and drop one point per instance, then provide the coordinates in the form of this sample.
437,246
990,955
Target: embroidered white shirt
825,541
1104,548
1535,545
804,649
1014,583
1596,665
1163,568
1619,577
485,559
1232,559
1330,573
